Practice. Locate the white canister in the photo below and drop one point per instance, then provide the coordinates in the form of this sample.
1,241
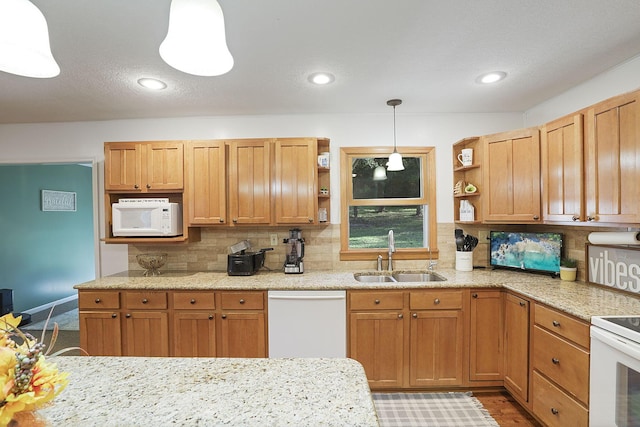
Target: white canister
464,261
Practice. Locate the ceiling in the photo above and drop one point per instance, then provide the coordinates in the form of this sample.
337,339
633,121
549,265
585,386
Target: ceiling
426,52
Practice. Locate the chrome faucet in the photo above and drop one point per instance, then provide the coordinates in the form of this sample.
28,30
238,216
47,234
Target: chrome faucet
432,263
392,249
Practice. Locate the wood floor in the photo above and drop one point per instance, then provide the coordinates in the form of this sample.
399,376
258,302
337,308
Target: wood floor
505,410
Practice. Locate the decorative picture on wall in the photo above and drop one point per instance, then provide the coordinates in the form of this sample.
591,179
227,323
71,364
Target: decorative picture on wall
58,201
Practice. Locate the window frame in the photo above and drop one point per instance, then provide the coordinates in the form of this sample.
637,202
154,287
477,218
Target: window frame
347,154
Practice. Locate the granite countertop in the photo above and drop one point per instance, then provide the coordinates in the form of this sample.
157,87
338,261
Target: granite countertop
132,391
576,298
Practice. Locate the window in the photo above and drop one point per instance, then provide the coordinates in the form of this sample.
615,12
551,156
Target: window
375,200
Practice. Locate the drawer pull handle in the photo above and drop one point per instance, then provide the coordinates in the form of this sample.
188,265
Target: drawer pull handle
575,218
555,323
474,295
211,317
377,301
224,316
554,411
415,315
241,301
148,185
193,301
113,316
144,300
128,315
136,186
522,304
97,301
555,361
400,316
436,301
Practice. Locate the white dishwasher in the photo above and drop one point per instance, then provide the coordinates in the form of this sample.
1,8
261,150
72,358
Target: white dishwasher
307,323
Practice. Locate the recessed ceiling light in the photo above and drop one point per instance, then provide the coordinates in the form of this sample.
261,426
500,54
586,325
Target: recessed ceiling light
321,78
492,77
153,84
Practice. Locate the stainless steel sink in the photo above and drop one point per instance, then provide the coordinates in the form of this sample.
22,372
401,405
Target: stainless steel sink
418,277
399,276
373,278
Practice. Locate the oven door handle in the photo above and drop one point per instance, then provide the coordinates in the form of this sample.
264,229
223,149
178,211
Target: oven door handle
623,345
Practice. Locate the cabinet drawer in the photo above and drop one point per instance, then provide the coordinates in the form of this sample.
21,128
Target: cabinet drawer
89,300
194,300
242,300
563,362
563,325
554,407
145,300
376,300
435,300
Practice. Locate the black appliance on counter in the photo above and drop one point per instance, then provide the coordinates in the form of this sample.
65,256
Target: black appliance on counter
245,263
295,252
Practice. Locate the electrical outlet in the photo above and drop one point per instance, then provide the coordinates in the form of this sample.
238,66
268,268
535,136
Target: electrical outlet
274,239
483,236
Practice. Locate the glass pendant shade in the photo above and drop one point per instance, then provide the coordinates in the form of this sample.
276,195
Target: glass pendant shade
24,41
196,42
379,173
395,162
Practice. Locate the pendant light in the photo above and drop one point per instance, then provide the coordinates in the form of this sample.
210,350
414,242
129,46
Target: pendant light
196,42
379,173
395,159
24,41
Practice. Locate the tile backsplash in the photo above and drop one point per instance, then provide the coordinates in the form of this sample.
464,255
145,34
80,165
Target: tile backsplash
322,247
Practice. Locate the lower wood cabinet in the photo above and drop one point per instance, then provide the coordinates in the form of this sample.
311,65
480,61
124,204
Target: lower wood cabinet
175,323
486,337
516,346
408,339
560,360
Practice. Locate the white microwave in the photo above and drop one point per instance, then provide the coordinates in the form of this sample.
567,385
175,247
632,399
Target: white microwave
146,218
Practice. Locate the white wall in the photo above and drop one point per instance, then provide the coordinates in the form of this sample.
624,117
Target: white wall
621,79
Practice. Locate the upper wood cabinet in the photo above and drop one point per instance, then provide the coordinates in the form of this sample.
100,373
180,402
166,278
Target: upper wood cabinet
250,181
612,158
511,171
206,182
142,167
295,186
562,165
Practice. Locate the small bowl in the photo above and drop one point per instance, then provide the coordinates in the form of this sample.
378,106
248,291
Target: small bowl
151,263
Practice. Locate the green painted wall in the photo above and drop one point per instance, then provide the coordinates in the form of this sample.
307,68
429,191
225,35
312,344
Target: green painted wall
44,254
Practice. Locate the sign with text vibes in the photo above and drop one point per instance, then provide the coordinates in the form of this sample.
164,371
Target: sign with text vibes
615,267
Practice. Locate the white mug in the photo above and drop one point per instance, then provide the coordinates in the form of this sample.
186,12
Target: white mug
466,157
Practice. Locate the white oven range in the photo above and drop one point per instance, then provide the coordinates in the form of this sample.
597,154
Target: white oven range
614,389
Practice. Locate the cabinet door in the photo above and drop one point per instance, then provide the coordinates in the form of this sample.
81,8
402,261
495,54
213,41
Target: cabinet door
562,165
376,340
123,166
486,336
511,170
296,168
436,348
516,343
146,334
243,334
250,181
194,334
206,182
163,167
100,333
613,160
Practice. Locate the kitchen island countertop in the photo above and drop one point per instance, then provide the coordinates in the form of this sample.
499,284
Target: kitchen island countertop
576,298
135,391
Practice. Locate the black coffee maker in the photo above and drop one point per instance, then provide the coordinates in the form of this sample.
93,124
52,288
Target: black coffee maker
295,252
